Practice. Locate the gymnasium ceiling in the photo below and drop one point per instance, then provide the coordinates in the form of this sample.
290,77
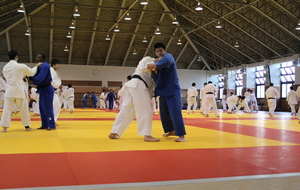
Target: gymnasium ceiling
264,29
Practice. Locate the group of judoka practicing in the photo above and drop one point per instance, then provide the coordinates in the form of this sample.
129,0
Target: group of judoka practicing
136,94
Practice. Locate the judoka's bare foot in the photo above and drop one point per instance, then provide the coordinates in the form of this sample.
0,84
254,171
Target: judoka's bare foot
180,139
171,133
113,136
35,115
299,122
56,124
4,129
150,139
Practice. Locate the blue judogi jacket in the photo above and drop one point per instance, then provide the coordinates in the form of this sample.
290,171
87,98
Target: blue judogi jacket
167,82
43,76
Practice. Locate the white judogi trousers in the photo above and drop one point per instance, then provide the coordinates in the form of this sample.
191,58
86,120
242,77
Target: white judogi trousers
210,102
56,106
8,108
35,106
192,101
271,105
202,107
102,103
71,104
136,103
231,105
253,103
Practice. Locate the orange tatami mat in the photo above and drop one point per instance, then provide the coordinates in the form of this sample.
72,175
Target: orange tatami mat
80,153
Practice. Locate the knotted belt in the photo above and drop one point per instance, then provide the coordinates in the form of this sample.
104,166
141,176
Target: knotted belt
139,77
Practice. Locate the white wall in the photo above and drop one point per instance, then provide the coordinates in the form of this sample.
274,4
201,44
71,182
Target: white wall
110,73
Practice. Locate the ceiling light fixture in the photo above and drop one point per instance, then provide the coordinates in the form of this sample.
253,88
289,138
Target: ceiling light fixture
134,52
107,37
199,58
145,40
198,7
236,45
298,26
157,31
69,35
219,25
179,42
27,33
127,17
144,2
21,9
175,21
72,26
117,29
76,13
66,48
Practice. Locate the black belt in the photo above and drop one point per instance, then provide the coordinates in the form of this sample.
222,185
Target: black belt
42,86
139,77
209,93
271,98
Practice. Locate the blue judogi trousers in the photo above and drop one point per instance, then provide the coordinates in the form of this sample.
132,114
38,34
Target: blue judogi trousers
83,104
46,106
170,114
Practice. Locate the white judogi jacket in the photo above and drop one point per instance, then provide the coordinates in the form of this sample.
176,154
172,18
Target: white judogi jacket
292,98
56,82
136,101
192,92
14,73
2,88
272,92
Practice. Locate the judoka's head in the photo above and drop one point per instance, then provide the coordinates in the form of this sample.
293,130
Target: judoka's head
40,57
13,55
160,49
55,64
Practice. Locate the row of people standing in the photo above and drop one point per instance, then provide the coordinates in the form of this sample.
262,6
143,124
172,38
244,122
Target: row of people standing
47,81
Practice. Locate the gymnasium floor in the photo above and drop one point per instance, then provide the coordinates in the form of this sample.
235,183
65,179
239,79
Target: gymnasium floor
238,151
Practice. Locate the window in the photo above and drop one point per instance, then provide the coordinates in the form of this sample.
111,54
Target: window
221,85
239,82
287,77
260,80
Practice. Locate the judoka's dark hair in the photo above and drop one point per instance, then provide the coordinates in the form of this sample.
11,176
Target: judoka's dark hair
193,84
12,54
69,85
54,62
43,56
271,84
159,45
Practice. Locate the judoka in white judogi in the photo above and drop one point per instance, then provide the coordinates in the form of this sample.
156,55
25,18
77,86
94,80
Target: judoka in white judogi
15,94
192,94
292,100
56,82
136,103
272,94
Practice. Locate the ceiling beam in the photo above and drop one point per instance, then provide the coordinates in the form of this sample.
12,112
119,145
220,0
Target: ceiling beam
133,36
51,32
276,23
181,52
71,43
183,32
123,8
214,53
8,41
22,19
214,20
120,16
195,57
94,33
152,38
